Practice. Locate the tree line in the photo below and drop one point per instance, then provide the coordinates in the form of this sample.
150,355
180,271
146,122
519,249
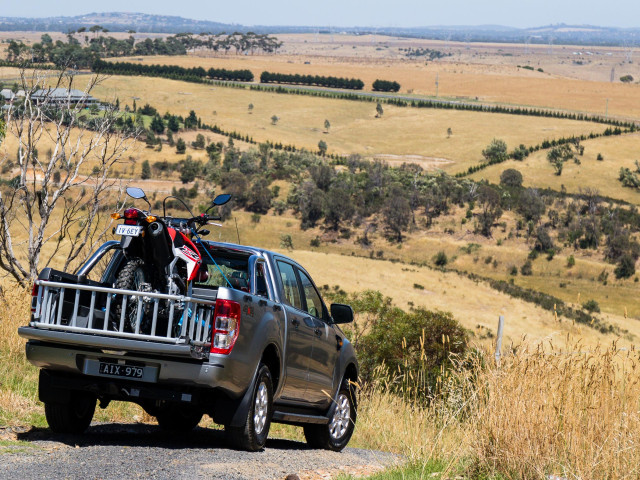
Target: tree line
170,71
562,150
315,80
75,54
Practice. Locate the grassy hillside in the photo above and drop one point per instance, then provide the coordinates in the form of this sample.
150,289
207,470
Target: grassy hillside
354,128
601,175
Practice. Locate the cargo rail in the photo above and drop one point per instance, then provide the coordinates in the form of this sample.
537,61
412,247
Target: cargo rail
90,309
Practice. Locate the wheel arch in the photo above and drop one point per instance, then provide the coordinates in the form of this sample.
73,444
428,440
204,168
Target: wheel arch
272,359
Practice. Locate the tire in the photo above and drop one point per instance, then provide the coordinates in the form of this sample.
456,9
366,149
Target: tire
178,420
72,417
253,435
336,434
134,275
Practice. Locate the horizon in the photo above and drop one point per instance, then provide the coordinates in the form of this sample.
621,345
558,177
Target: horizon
360,14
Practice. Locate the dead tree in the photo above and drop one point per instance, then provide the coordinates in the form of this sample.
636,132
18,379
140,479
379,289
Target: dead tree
58,199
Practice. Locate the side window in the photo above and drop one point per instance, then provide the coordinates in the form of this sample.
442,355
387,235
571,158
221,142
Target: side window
290,285
312,297
261,281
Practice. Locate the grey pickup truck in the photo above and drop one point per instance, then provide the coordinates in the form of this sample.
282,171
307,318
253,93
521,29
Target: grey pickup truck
252,343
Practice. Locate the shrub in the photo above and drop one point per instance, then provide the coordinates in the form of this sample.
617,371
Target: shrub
527,268
591,306
315,242
255,218
440,259
513,271
286,241
571,261
417,286
511,178
600,157
404,341
626,267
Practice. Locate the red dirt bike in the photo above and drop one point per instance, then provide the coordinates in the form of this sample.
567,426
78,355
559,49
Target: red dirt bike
157,254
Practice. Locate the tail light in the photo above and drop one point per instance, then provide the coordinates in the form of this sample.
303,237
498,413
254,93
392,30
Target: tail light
131,216
226,326
34,297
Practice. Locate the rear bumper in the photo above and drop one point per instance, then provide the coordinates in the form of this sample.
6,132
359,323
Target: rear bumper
104,342
170,372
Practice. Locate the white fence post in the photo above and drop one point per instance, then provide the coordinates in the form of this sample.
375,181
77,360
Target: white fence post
499,339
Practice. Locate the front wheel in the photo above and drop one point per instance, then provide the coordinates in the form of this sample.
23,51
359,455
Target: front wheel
72,416
336,434
253,435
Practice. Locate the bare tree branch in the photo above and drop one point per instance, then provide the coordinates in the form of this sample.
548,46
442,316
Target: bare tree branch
59,198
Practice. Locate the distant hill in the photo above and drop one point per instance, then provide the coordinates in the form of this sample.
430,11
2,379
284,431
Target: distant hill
142,22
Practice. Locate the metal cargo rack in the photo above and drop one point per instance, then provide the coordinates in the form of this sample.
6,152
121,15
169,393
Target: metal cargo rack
65,307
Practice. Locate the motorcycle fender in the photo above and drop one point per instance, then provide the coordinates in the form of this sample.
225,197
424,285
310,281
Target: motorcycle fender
125,241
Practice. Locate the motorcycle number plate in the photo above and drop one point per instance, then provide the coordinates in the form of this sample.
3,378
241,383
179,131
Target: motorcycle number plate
129,230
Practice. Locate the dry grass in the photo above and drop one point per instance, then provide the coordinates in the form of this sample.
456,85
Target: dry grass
19,404
570,414
354,128
493,78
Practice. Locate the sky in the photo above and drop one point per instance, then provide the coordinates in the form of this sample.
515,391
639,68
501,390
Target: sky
371,13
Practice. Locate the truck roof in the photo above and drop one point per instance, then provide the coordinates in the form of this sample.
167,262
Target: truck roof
234,247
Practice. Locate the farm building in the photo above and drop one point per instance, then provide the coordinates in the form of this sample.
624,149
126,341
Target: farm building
62,96
7,95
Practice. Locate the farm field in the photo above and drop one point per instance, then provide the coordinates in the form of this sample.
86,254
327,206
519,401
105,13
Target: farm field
500,82
354,128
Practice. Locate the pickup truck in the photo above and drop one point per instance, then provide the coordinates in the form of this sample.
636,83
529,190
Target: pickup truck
251,343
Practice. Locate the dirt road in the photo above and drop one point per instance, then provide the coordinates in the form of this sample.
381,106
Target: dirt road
130,451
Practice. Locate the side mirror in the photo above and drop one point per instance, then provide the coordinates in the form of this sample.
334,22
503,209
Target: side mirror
221,199
341,313
135,192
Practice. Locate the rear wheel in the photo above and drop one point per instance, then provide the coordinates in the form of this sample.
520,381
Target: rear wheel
336,434
177,419
253,435
134,275
73,416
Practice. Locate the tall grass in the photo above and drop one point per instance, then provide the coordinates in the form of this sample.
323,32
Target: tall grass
572,413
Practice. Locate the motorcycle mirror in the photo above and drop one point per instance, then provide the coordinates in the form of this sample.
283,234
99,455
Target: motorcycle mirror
135,192
221,199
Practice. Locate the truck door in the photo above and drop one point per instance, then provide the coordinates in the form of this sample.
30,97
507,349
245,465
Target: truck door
325,348
300,336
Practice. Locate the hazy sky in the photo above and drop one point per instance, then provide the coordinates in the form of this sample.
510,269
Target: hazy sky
396,13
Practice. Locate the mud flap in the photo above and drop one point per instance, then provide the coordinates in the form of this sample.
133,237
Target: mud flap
233,412
48,392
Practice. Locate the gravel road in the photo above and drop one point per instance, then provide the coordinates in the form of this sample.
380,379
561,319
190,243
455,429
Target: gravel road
129,451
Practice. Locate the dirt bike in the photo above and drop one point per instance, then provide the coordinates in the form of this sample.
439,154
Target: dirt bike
158,255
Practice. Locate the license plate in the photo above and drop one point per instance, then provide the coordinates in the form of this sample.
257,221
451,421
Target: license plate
129,230
117,370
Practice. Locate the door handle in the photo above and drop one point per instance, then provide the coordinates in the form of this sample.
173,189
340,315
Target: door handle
318,332
262,303
295,322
